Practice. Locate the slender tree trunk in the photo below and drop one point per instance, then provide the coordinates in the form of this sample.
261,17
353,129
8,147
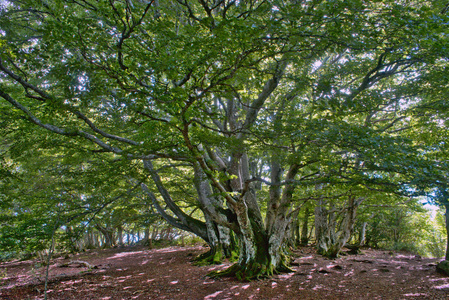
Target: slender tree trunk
305,227
322,234
362,234
446,206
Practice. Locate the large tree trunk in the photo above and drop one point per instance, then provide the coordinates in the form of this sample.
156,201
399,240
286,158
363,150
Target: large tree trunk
260,244
255,259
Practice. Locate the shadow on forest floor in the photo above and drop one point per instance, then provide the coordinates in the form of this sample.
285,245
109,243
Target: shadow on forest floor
168,273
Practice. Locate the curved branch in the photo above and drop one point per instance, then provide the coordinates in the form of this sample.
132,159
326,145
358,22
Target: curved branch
193,225
101,132
267,90
45,96
171,220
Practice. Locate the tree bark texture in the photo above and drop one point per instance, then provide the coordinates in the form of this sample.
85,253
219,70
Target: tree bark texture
332,234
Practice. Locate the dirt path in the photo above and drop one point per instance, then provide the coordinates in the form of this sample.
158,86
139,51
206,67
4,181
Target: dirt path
138,273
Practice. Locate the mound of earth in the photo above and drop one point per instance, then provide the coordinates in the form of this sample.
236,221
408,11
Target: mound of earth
139,273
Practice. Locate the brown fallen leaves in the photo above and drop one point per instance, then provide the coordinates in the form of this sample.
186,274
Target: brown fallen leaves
140,273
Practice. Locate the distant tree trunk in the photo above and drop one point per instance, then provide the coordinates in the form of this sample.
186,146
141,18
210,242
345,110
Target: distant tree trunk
96,239
322,234
120,235
296,233
91,239
73,243
293,230
108,235
332,235
155,233
304,228
446,206
362,234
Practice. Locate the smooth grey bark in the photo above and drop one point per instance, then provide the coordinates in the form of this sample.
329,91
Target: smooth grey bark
322,234
217,221
446,206
362,234
332,235
282,218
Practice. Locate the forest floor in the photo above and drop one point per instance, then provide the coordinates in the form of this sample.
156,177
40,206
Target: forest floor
140,273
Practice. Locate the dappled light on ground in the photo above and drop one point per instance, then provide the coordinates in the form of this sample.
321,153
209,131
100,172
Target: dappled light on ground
211,296
170,274
126,254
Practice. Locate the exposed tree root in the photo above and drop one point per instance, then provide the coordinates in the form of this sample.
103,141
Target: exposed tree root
77,263
211,257
216,256
331,253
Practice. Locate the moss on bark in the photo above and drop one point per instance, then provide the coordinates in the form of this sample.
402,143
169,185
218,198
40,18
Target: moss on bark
216,255
251,271
255,269
213,256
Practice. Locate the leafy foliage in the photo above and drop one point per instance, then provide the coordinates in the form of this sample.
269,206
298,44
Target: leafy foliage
229,115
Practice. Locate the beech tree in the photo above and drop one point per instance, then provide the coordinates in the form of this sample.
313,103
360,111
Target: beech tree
254,99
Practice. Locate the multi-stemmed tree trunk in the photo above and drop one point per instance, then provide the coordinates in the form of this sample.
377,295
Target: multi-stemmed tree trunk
221,240
261,241
108,235
331,233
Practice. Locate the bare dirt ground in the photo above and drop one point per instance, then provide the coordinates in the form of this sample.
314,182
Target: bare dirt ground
139,273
